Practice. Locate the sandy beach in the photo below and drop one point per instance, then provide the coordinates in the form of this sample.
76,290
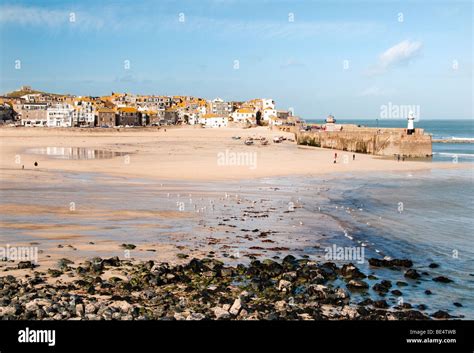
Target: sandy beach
185,153
122,198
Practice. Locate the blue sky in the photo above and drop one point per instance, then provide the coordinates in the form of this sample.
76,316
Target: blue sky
402,52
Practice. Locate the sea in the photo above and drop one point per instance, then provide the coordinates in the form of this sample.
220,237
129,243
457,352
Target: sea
425,216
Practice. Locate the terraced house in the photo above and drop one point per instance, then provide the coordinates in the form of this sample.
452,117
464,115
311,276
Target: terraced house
219,107
128,116
214,120
106,117
83,114
244,115
33,114
60,115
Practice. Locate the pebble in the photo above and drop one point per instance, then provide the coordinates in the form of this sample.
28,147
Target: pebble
235,308
221,313
90,308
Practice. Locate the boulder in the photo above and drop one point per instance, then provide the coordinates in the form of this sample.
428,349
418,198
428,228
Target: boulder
341,293
196,316
90,308
357,284
390,263
235,308
25,264
290,263
272,268
397,292
220,313
80,310
113,262
121,305
440,314
31,306
318,290
284,285
350,312
381,304
351,271
442,279
412,274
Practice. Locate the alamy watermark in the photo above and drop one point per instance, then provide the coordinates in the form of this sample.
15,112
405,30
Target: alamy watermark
19,253
37,336
339,253
399,111
240,159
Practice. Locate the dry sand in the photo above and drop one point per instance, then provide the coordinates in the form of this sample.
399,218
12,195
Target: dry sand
183,153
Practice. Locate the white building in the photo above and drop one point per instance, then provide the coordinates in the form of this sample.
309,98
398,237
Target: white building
193,117
60,115
201,110
212,120
244,115
83,114
268,113
32,97
268,103
275,121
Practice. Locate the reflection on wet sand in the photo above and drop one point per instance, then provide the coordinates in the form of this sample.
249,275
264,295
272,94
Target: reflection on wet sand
75,153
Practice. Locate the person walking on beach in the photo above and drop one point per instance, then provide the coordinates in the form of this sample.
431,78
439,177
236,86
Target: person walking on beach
334,160
335,155
398,157
353,157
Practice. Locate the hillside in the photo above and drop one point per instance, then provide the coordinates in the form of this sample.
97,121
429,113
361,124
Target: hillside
22,92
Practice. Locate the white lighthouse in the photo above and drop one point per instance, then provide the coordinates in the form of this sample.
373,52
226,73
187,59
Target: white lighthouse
411,123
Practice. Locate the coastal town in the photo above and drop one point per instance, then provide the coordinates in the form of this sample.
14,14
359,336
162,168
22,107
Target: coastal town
31,108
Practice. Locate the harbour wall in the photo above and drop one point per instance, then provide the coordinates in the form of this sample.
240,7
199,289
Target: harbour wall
380,142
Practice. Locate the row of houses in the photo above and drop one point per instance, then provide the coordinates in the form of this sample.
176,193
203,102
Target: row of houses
122,109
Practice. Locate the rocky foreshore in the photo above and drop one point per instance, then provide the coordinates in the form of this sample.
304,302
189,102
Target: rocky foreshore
114,289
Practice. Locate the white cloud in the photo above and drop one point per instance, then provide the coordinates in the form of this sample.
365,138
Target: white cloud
31,16
36,16
375,91
117,18
281,28
400,53
291,62
371,91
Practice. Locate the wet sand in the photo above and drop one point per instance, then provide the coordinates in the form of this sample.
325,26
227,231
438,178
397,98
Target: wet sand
231,221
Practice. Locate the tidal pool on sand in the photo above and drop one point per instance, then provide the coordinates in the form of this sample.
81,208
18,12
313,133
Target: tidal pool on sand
76,153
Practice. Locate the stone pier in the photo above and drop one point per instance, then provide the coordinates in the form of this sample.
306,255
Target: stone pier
376,141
